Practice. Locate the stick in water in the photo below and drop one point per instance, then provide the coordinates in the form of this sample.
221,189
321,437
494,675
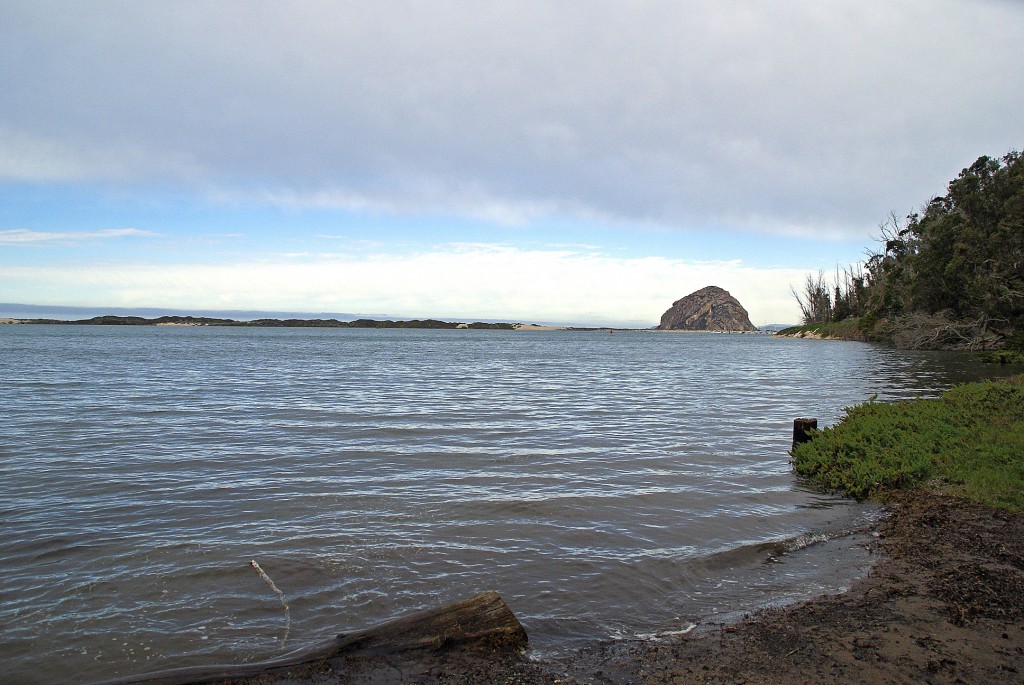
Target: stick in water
280,595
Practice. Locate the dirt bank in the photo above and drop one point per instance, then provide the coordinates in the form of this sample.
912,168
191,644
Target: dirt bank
945,604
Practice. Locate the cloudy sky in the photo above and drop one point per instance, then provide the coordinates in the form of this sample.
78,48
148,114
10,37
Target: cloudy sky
559,161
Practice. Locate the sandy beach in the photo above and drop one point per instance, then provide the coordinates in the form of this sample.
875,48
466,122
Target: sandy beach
944,604
535,327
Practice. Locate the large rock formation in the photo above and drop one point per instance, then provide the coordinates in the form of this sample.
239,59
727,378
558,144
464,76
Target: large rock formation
708,309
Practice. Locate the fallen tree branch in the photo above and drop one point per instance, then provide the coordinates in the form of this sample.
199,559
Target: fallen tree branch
280,595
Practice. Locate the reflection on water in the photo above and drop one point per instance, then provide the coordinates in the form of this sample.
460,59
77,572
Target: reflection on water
604,485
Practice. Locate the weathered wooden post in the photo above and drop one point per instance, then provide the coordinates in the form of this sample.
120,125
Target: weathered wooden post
801,430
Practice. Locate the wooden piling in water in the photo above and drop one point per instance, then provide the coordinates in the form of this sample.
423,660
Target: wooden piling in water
801,430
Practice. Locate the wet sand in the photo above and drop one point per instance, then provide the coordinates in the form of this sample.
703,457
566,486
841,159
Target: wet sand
944,604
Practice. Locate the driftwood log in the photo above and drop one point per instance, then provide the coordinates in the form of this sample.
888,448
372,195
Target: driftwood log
483,619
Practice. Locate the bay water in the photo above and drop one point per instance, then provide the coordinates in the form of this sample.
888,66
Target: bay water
606,485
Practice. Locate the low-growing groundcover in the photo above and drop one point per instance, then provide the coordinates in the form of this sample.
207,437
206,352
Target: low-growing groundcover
969,442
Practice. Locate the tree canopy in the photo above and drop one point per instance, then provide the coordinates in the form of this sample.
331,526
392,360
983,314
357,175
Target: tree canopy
951,275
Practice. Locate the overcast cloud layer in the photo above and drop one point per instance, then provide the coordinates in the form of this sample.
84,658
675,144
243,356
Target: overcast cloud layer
153,153
796,116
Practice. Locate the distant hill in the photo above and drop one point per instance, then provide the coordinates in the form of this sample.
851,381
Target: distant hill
20,310
708,309
110,320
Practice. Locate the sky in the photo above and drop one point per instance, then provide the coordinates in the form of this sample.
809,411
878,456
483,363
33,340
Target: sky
573,162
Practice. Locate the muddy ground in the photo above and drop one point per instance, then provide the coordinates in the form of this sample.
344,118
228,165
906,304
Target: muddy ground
945,604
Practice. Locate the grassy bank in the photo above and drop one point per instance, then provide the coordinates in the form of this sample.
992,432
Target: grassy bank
848,329
969,442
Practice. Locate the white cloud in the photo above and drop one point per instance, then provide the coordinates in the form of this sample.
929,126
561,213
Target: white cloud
467,203
24,236
58,157
25,157
465,281
784,118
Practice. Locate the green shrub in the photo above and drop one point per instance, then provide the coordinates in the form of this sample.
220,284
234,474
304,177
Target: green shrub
969,442
846,329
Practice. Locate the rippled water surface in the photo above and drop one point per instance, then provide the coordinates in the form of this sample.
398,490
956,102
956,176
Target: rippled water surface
603,484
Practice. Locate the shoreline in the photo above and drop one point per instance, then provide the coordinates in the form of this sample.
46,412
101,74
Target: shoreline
943,604
357,323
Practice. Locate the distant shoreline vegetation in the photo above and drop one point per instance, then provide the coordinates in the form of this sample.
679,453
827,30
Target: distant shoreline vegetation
266,323
436,324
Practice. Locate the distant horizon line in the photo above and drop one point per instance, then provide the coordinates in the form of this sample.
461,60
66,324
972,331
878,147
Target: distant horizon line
16,310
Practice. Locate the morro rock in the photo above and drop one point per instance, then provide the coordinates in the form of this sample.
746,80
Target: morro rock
708,309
